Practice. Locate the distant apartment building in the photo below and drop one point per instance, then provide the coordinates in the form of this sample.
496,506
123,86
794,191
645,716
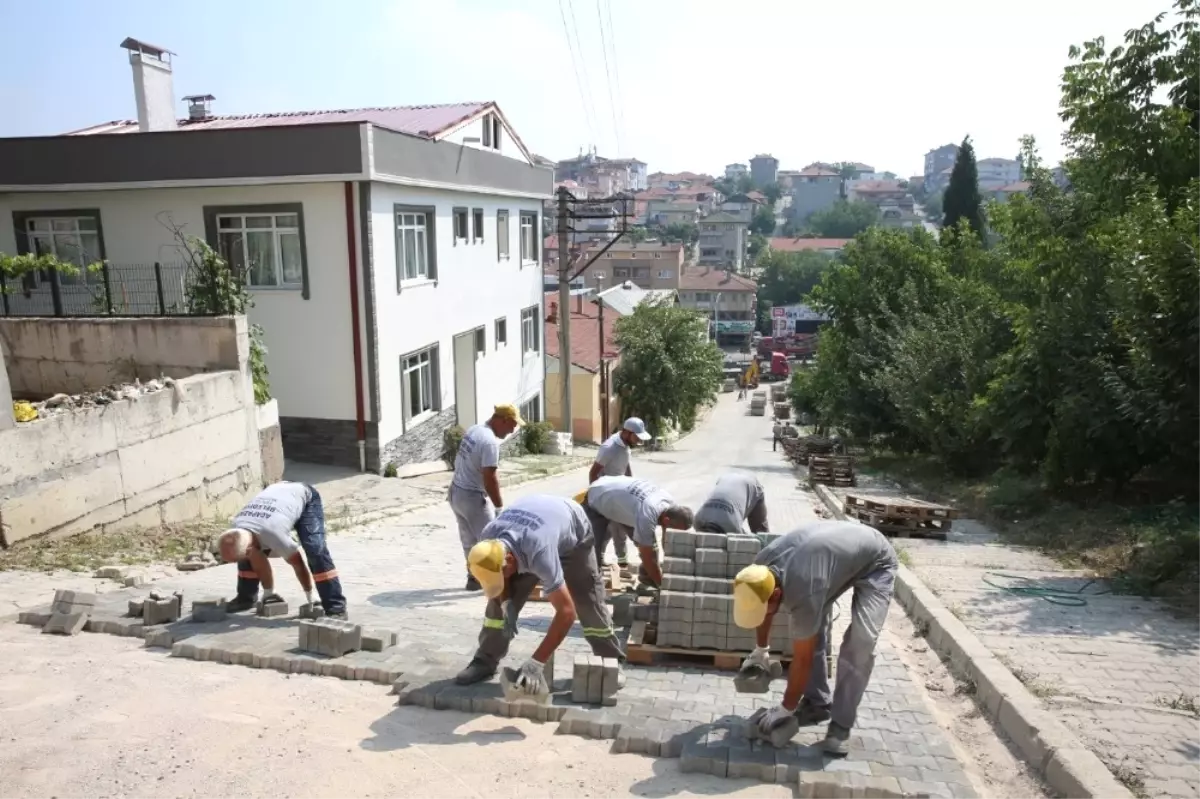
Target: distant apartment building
997,172
937,161
673,181
648,264
603,177
729,300
664,212
876,192
814,188
735,171
764,170
723,240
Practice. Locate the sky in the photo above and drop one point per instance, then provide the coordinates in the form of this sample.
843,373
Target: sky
680,85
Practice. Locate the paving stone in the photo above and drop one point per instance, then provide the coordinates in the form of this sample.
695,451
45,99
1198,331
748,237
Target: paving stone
312,610
160,638
135,607
378,640
678,566
743,544
209,609
622,607
709,541
714,585
271,610
66,623
161,611
73,601
611,672
595,680
679,582
756,761
708,556
135,580
579,678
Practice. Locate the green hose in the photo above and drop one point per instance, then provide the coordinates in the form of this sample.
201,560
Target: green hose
1021,587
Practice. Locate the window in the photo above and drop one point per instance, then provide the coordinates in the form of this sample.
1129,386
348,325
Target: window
497,129
608,255
416,254
419,383
664,274
529,244
70,236
502,235
460,224
620,272
640,272
703,296
476,225
529,330
487,130
480,341
531,409
658,255
501,332
266,247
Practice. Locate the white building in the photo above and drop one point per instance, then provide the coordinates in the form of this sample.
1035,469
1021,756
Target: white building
997,172
392,253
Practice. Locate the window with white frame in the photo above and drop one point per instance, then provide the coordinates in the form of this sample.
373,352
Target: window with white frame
529,243
266,247
529,330
501,332
531,409
664,274
418,383
502,235
460,225
414,259
71,237
477,225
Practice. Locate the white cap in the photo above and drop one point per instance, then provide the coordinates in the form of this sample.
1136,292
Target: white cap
637,427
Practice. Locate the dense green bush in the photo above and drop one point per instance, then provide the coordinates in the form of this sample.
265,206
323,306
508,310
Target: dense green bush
535,436
451,440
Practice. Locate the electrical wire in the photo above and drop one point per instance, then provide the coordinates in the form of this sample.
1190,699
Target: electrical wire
1022,586
587,115
612,44
587,84
608,79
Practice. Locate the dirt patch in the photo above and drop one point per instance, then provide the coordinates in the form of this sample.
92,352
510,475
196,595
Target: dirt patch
88,551
990,760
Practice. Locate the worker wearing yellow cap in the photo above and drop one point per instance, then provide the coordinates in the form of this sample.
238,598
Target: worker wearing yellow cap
475,489
547,539
806,571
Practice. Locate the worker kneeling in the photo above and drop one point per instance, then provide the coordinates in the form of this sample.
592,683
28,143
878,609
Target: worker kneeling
806,571
547,539
638,507
263,529
736,499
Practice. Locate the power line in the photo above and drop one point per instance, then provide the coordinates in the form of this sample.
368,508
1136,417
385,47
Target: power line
612,104
612,43
587,115
587,84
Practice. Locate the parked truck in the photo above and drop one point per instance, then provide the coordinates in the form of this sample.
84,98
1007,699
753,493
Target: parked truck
778,370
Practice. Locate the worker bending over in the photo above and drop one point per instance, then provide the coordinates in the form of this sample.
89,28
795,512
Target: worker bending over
475,488
263,530
806,571
612,460
639,506
547,539
737,498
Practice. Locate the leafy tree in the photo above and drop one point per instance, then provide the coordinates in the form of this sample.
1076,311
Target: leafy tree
744,184
763,221
790,229
788,277
962,199
668,368
636,233
773,192
685,232
844,220
758,243
933,206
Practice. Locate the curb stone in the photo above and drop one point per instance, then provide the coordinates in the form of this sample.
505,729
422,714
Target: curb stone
1069,767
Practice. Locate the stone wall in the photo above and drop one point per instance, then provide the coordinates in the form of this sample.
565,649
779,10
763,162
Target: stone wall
270,442
332,441
421,444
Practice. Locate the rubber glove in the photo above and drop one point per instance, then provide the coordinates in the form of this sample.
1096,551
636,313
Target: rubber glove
772,718
760,657
532,677
308,596
510,618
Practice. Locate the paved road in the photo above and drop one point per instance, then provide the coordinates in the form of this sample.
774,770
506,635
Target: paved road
406,573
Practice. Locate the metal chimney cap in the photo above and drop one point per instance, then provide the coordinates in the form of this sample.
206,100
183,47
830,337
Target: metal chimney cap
198,97
155,51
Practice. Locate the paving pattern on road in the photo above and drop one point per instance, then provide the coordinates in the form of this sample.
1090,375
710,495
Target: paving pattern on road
405,575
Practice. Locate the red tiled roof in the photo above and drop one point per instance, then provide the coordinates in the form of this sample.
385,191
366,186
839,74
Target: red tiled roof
876,187
800,245
817,172
706,278
585,333
757,196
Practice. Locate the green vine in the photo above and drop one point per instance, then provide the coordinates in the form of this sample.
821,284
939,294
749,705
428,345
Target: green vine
16,267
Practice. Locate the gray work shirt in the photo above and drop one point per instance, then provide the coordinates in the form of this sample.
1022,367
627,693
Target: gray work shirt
632,502
817,562
731,501
539,529
272,515
479,450
613,456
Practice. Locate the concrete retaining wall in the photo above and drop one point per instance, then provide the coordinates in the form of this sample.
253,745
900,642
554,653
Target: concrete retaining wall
270,442
47,356
178,454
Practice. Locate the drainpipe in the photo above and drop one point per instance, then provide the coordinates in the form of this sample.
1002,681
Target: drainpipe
360,423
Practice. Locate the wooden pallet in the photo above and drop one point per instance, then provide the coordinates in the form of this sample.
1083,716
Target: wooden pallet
901,527
900,507
614,583
641,650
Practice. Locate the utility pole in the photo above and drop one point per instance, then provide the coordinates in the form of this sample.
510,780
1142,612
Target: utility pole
564,311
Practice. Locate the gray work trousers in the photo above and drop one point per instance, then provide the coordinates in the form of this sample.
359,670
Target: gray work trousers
582,578
756,518
856,657
473,511
605,530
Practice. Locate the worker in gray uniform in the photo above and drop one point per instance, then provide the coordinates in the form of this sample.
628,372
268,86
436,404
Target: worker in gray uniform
612,460
547,539
640,507
474,493
736,499
806,571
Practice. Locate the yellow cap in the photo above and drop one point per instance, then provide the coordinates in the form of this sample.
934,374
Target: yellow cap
581,496
752,588
485,561
509,412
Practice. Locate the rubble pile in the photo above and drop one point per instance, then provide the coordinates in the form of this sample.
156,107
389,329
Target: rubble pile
66,403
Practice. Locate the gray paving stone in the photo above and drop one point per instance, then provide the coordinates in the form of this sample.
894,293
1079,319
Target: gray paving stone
579,678
209,609
378,640
743,544
679,582
709,541
311,610
271,610
135,607
678,566
66,623
161,611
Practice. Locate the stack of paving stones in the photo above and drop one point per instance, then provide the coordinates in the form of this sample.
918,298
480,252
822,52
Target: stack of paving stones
696,603
70,612
595,680
758,403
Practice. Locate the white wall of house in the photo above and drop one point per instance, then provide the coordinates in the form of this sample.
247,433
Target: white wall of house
474,287
474,130
308,341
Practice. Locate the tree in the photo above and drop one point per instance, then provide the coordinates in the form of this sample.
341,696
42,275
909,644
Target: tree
788,277
685,232
636,233
758,243
790,229
962,199
668,368
763,221
744,184
933,206
773,192
844,220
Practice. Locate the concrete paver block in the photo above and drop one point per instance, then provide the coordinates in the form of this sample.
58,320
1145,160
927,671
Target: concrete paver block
271,610
330,637
66,623
743,543
135,608
679,582
579,678
209,609
378,640
779,737
622,607
161,611
73,602
595,680
610,675
712,555
714,585
710,541
311,610
678,566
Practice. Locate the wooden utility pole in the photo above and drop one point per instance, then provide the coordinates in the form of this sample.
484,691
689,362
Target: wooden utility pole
564,310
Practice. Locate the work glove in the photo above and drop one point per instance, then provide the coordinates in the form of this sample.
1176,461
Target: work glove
773,718
531,679
510,618
308,596
759,658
